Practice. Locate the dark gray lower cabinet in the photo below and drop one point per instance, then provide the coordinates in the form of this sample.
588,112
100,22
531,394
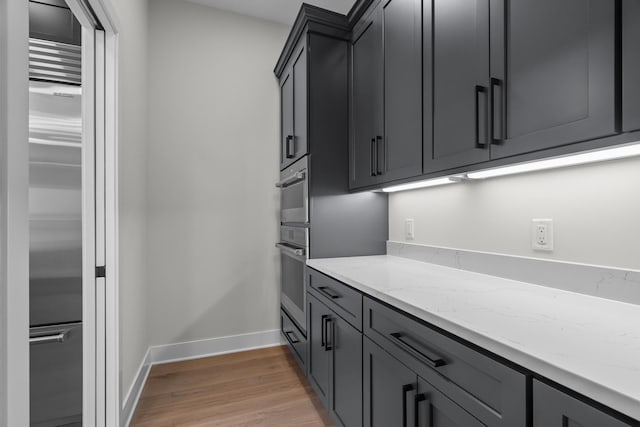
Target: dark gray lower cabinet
295,339
335,363
394,395
553,408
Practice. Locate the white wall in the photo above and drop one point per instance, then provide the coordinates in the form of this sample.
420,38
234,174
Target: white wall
595,209
132,170
213,146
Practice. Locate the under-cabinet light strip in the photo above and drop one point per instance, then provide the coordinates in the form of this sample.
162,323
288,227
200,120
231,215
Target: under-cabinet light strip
557,162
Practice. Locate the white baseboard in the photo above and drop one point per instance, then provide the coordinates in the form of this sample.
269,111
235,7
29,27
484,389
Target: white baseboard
193,350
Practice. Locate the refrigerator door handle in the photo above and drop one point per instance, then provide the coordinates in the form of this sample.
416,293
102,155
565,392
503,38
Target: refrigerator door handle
45,339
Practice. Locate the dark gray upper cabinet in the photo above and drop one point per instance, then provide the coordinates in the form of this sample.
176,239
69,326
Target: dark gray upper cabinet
402,142
553,408
630,65
460,84
367,105
386,128
293,110
335,363
553,73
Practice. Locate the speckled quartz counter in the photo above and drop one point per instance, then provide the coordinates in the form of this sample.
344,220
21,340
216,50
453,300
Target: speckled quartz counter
588,344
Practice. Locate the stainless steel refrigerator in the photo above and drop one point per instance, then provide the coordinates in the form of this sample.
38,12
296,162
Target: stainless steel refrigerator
55,224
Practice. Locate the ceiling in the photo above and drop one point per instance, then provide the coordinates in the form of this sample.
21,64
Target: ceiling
282,11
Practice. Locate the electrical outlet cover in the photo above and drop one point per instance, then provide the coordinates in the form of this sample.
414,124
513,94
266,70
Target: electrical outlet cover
542,234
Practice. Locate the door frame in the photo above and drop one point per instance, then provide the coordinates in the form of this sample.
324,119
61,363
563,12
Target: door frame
101,395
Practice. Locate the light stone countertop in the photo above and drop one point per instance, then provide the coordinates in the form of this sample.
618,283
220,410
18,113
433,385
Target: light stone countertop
588,344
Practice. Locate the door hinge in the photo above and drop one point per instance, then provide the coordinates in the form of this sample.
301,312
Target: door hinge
101,271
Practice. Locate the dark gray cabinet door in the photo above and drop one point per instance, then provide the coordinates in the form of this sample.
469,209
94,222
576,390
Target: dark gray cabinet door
630,65
346,373
460,84
319,352
366,156
402,143
434,409
293,109
553,408
300,100
389,388
286,119
557,84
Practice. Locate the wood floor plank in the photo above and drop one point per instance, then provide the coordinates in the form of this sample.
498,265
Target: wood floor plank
262,388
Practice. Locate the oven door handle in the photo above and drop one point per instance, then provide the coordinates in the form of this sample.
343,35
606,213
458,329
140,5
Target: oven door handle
296,177
290,249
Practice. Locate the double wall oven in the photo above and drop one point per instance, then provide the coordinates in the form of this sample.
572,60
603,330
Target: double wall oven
294,240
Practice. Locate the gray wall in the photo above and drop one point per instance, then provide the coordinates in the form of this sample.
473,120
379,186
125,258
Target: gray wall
595,209
132,167
212,209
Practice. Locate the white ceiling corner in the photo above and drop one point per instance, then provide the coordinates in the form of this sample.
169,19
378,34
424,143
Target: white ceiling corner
282,11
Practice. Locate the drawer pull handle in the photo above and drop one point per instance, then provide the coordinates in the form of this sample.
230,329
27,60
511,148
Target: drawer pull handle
289,335
329,292
418,400
431,360
405,389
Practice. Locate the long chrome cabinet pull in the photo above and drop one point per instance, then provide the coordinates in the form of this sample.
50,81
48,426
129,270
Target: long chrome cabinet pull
45,339
431,360
405,389
296,177
290,249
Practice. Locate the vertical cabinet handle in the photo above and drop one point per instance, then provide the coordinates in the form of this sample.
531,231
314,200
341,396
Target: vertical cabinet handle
497,113
380,155
323,332
373,157
418,400
329,343
290,148
481,134
405,389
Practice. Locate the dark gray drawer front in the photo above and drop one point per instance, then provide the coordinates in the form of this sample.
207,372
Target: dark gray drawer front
489,390
295,339
345,301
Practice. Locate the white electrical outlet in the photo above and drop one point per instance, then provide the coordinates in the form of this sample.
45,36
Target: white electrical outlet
542,234
409,229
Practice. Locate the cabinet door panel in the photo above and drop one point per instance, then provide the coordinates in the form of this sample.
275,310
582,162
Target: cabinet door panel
318,354
560,72
434,409
346,373
553,408
631,65
385,387
367,108
460,84
402,84
300,103
286,117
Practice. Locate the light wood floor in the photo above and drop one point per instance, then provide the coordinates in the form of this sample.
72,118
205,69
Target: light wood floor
253,388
